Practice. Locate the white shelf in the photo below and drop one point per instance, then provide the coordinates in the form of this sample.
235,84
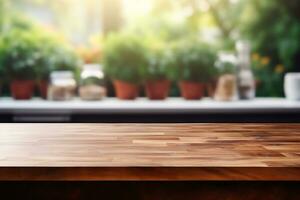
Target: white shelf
144,106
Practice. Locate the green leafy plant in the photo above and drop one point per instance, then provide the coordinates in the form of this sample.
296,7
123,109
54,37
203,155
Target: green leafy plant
34,54
19,53
57,57
55,54
160,63
195,62
124,57
226,63
268,76
280,41
64,58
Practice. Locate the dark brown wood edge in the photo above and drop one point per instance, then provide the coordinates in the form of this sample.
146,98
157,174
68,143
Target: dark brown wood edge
149,174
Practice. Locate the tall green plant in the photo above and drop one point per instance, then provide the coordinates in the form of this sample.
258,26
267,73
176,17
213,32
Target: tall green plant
161,61
56,56
276,35
274,30
33,54
19,53
124,57
195,61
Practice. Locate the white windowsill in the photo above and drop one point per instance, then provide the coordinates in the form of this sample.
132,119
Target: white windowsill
145,106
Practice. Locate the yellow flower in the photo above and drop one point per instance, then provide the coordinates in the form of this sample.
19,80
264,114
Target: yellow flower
255,57
265,60
279,69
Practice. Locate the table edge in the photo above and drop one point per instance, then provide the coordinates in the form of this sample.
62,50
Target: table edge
149,173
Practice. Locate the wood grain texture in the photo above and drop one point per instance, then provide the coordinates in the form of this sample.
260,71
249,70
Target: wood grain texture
150,151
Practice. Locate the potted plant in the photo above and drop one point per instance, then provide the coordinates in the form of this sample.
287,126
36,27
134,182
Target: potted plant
195,67
19,54
157,73
124,62
55,57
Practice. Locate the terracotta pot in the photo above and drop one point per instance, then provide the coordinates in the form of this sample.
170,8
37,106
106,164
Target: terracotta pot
43,88
157,90
191,90
126,91
22,89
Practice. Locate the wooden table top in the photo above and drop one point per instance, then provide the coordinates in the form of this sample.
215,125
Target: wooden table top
150,151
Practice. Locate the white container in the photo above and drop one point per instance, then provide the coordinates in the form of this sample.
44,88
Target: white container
92,83
292,86
62,86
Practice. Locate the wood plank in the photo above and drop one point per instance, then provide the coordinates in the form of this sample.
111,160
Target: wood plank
150,151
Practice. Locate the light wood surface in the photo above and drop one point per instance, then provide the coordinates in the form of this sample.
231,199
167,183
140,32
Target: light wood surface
150,151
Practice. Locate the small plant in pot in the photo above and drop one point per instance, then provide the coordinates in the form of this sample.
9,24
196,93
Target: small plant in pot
55,57
195,67
19,53
158,73
124,62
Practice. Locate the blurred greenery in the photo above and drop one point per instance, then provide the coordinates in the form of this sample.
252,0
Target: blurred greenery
275,31
19,53
226,63
160,61
272,27
33,54
195,61
125,57
275,34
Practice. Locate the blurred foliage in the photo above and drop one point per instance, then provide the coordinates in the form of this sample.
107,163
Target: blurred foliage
226,63
274,31
273,27
19,53
269,78
160,61
195,61
64,58
125,57
33,54
29,51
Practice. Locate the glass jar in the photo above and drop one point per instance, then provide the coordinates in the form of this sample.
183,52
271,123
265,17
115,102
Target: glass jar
246,80
226,88
62,86
92,83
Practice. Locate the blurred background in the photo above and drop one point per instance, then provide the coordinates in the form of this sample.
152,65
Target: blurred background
73,33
